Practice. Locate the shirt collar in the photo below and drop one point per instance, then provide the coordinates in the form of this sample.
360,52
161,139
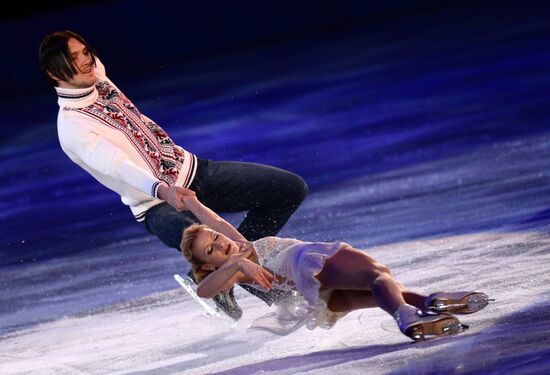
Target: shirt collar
76,98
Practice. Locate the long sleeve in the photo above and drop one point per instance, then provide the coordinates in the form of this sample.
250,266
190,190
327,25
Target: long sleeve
100,155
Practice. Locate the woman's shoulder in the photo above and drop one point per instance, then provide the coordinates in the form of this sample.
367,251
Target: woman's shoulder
275,240
269,244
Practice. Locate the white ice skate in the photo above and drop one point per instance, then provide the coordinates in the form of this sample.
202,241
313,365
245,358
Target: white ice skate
420,326
457,302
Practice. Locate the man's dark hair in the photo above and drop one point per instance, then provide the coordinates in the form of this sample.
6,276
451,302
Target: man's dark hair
55,58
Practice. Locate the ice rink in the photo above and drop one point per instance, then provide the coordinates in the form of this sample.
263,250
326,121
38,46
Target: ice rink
425,141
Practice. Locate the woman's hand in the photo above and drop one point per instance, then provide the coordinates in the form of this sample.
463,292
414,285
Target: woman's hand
257,273
244,254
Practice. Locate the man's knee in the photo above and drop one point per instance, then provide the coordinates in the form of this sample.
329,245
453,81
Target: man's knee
298,189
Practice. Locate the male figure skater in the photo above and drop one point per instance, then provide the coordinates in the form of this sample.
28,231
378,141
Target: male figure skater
102,131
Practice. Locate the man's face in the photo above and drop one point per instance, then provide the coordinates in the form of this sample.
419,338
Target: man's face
82,59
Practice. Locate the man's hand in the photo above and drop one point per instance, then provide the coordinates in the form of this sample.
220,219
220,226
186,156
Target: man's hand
174,195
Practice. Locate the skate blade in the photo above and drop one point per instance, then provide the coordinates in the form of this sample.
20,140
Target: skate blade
469,304
430,331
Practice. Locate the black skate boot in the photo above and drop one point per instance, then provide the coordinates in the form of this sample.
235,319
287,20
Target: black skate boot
457,302
225,302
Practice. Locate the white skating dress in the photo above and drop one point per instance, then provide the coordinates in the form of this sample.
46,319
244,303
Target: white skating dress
297,262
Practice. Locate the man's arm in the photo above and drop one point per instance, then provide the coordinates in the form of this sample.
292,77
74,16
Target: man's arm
102,156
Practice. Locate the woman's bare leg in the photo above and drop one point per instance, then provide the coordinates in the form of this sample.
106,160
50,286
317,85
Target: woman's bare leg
366,299
349,300
413,298
352,269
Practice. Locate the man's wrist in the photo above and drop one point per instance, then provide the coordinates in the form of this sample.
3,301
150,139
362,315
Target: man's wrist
161,191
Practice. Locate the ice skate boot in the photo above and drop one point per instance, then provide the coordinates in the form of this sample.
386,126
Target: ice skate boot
419,325
457,302
227,303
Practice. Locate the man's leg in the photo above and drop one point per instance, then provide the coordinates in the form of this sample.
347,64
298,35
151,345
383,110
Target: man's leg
168,224
269,195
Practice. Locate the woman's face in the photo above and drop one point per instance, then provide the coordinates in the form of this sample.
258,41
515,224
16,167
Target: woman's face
212,247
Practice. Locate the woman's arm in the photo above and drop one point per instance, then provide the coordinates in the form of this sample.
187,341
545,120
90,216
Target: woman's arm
234,271
212,219
220,280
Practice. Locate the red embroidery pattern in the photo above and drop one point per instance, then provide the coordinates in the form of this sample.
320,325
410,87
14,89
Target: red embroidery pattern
113,109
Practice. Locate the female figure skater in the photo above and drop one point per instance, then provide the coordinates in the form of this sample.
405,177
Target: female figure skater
333,278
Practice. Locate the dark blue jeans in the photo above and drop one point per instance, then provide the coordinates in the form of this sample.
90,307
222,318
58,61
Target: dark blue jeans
269,195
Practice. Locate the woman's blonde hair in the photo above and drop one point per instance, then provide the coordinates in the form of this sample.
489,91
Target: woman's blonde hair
188,238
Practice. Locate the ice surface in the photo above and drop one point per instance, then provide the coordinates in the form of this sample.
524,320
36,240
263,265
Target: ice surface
429,150
167,333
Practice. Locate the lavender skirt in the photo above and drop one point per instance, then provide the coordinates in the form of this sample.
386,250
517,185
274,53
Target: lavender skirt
300,264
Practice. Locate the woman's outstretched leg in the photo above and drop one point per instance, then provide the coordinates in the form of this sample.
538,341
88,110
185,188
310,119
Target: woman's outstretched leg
413,298
351,269
349,300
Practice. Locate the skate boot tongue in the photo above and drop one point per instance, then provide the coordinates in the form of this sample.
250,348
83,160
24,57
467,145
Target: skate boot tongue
406,313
